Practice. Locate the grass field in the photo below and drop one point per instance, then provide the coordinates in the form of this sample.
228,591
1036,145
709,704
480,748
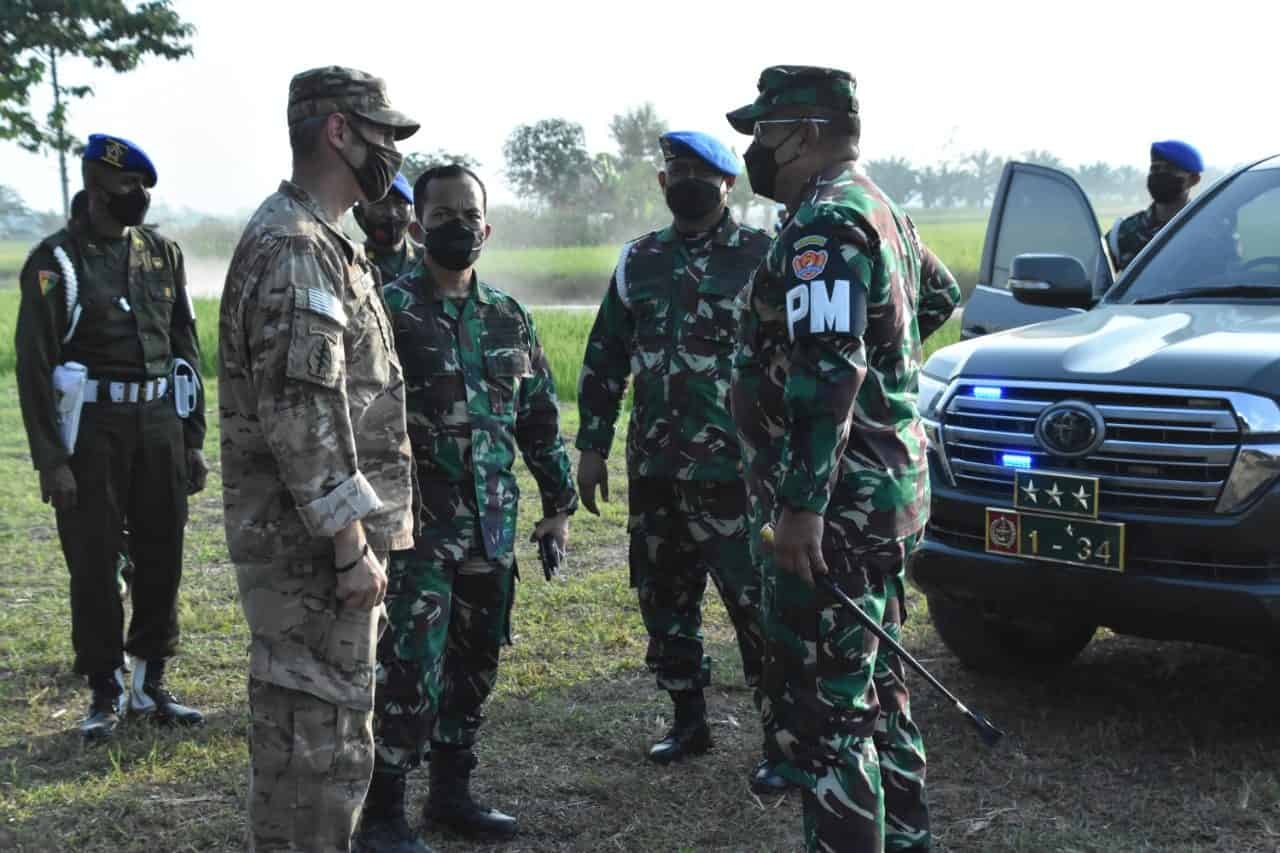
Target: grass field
1138,747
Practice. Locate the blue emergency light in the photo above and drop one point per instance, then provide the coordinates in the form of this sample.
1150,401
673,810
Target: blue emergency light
1021,461
987,392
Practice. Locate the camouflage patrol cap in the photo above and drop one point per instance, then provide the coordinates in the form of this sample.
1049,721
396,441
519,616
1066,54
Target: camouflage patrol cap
334,89
800,85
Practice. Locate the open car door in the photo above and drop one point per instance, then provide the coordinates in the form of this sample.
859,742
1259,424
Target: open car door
1036,209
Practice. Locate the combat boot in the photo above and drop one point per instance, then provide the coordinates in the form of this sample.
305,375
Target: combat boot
449,804
149,697
383,828
690,734
767,781
104,706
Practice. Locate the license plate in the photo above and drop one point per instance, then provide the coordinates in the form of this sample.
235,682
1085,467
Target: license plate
1061,539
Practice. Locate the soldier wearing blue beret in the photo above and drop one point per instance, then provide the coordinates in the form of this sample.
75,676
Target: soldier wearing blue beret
114,413
385,224
668,319
1175,168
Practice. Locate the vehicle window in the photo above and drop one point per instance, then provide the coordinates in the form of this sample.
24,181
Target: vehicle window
1042,214
1232,238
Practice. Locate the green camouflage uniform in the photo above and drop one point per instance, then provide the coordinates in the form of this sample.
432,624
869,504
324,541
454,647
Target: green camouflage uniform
392,263
668,319
1130,235
478,388
313,440
824,389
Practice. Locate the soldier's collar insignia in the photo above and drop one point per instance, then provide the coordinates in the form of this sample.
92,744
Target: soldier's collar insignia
115,152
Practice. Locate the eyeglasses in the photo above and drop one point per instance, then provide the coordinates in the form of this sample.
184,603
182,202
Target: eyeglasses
762,125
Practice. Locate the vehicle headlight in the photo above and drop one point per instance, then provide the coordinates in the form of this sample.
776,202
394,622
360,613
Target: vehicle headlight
1256,468
928,403
929,396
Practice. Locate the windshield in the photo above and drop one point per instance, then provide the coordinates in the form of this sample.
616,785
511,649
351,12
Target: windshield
1230,241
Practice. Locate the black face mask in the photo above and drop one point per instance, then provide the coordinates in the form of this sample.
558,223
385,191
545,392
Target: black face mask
379,169
1165,187
454,245
129,208
763,167
693,198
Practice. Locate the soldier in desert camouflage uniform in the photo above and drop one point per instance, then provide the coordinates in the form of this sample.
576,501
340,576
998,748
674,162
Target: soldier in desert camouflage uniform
478,388
386,227
668,319
316,463
824,387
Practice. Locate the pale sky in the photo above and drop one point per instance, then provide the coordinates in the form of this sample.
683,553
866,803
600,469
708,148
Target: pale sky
1086,80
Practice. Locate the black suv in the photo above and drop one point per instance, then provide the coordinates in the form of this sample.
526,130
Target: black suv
1116,462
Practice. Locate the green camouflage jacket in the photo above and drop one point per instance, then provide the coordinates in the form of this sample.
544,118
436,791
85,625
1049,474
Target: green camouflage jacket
827,365
393,263
478,386
1130,235
668,318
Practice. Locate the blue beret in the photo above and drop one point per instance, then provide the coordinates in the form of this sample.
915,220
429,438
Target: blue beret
401,185
1180,154
708,149
121,153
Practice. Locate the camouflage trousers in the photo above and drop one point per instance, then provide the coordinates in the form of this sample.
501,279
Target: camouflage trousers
438,660
680,532
311,762
836,709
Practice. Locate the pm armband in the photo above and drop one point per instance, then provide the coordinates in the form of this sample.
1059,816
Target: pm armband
821,307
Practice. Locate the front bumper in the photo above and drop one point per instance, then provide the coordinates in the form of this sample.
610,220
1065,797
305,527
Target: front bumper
1212,579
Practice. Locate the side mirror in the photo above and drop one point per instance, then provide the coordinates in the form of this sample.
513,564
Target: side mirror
1051,281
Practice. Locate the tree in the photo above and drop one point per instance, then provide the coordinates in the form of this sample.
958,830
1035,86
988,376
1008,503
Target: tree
985,169
1043,158
636,132
548,162
896,176
418,162
35,34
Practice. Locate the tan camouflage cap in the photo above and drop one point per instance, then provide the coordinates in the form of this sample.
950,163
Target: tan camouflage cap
334,89
787,85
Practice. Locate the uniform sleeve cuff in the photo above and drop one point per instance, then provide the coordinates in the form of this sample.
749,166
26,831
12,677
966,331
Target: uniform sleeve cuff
349,502
565,503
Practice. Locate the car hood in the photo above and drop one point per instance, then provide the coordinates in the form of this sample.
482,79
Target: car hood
1217,345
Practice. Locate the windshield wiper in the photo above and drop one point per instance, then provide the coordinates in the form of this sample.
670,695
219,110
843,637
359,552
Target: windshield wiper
1256,291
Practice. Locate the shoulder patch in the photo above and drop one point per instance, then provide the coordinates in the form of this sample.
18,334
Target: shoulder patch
48,280
810,241
620,272
809,264
321,302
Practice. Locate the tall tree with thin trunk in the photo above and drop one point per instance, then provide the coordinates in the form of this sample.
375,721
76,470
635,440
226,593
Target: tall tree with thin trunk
36,35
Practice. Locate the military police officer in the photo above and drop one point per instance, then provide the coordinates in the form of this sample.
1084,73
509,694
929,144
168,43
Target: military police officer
385,225
824,386
478,387
1175,168
668,319
317,480
104,326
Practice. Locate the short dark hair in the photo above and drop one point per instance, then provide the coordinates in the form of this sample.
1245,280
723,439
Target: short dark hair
304,136
451,170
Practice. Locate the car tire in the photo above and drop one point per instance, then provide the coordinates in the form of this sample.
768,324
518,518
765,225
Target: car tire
990,644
